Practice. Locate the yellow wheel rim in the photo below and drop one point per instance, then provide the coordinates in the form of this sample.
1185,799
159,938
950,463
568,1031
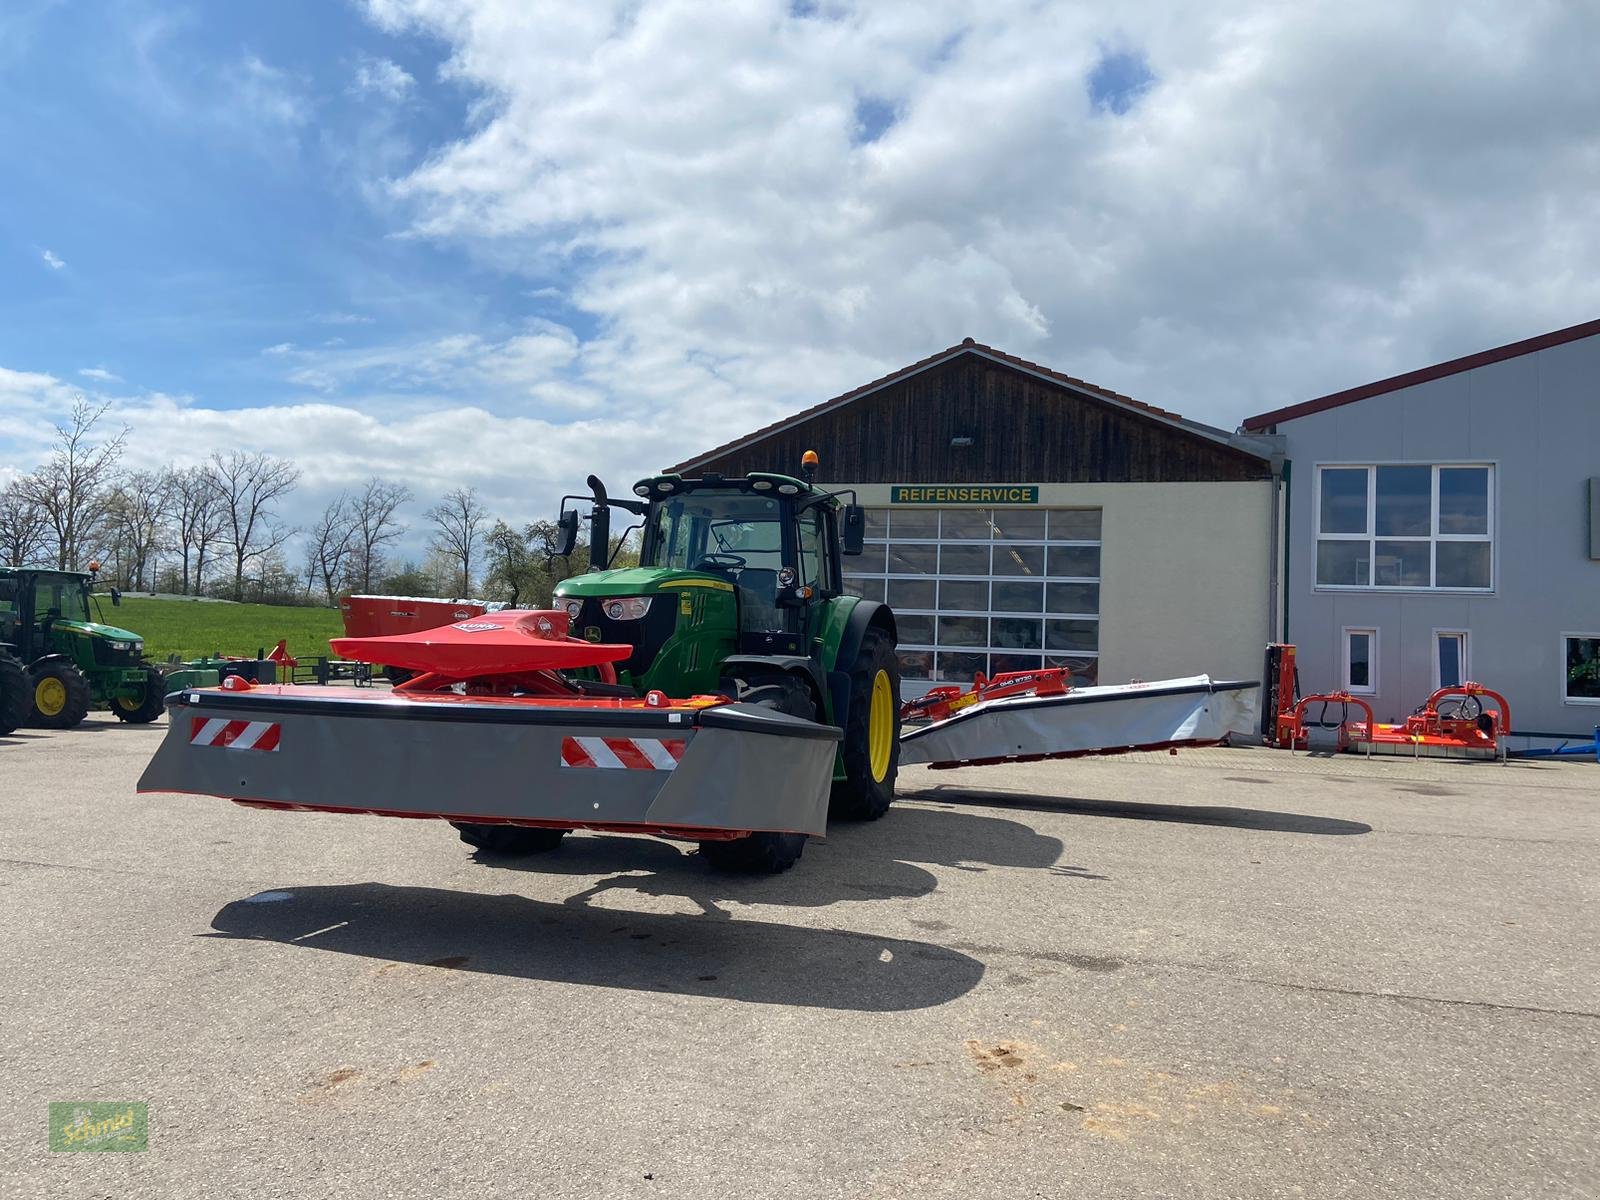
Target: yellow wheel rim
50,696
880,726
130,703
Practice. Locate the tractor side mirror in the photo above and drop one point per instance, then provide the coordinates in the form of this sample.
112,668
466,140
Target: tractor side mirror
568,524
853,528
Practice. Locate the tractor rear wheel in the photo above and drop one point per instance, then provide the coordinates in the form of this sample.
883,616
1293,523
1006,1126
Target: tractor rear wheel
59,695
147,704
871,748
15,691
508,841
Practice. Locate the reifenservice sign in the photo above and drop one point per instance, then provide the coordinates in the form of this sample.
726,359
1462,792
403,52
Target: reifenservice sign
984,493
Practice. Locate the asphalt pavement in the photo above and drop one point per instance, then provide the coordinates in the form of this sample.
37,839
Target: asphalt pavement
1230,973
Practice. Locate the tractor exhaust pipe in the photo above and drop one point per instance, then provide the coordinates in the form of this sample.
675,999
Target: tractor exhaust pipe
599,527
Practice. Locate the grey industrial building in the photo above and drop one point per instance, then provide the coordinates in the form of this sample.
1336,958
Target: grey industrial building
1445,525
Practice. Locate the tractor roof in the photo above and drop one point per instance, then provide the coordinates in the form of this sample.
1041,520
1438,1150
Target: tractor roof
16,571
659,487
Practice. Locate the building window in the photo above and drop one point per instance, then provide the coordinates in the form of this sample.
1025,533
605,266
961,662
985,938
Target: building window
1405,526
990,590
1361,661
1582,658
1449,658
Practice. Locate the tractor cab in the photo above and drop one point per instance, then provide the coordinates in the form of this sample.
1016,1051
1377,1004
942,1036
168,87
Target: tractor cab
728,567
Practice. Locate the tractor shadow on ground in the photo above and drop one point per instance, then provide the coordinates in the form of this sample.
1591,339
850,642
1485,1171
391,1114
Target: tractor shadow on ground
1264,820
757,962
874,861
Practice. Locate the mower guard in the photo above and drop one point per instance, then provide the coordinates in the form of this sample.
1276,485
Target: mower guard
707,772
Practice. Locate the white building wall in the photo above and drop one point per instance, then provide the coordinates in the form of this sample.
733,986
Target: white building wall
1183,573
1536,418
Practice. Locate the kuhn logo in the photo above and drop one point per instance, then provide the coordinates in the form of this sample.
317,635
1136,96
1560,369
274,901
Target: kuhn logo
477,626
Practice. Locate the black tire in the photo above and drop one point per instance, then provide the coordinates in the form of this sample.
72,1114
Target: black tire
508,841
766,853
148,705
73,696
15,694
755,854
862,795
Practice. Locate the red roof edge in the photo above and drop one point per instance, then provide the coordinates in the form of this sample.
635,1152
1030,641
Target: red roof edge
1455,366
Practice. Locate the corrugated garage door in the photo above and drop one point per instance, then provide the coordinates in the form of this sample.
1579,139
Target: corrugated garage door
989,590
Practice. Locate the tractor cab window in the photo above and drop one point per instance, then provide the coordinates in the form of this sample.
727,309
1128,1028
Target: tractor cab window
739,537
813,550
64,599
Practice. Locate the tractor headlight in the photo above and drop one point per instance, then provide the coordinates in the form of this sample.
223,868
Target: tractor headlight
122,645
630,609
573,607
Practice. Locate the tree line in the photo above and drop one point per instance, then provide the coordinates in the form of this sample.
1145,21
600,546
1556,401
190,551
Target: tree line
214,529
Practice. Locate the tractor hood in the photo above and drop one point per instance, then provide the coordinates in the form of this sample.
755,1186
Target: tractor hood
94,629
637,581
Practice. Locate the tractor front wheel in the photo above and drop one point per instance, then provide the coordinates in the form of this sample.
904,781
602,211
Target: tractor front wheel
755,853
147,704
60,695
15,694
508,841
871,749
768,852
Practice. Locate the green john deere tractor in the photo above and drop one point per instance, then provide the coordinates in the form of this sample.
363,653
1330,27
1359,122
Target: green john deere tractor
740,591
71,660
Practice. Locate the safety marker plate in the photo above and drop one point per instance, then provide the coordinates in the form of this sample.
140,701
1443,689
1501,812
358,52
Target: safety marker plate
235,735
621,753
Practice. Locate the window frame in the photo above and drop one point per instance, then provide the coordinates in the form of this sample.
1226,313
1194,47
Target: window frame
1432,540
1371,686
1561,659
1047,540
1465,637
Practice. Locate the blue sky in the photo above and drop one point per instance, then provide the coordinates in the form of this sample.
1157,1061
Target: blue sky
206,175
502,243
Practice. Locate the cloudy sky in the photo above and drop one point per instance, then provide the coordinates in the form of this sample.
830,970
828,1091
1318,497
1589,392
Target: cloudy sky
503,243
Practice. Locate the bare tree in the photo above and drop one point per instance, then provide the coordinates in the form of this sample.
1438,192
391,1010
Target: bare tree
249,485
197,514
458,520
74,487
506,555
24,528
138,516
372,513
329,544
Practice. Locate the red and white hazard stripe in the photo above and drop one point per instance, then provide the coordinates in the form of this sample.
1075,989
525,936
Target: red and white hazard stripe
622,753
234,735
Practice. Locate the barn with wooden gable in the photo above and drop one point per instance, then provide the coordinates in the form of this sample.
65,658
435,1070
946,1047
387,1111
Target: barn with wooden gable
1018,517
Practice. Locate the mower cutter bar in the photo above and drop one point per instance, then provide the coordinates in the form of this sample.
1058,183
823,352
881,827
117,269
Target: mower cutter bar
716,769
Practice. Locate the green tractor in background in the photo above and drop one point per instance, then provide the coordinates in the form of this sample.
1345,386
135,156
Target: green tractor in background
69,660
740,591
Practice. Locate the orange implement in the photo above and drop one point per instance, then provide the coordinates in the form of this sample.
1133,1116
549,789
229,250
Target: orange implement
501,643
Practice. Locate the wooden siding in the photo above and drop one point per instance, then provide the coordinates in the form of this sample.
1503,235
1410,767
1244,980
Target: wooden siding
1024,430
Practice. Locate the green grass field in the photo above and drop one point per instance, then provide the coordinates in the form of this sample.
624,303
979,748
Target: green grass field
196,629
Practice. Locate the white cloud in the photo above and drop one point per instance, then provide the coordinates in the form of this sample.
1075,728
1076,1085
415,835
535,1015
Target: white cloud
381,77
52,260
99,375
1303,197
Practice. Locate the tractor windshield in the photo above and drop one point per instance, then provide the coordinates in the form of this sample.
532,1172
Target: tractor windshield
62,598
710,529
